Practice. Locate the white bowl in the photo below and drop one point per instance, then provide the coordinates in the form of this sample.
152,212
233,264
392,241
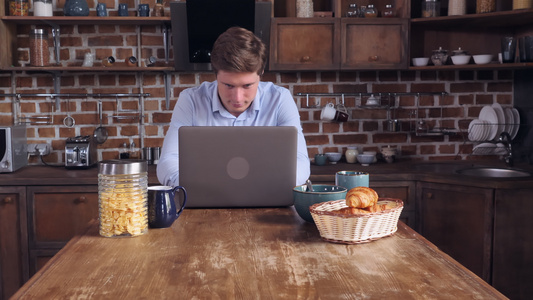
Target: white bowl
334,157
420,61
482,59
365,159
460,59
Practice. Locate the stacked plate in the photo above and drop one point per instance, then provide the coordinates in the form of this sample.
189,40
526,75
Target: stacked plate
492,121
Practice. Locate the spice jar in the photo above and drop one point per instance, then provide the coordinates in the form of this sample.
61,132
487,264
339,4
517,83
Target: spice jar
39,51
430,8
18,7
521,4
485,6
43,8
122,197
159,9
388,12
304,8
371,11
353,11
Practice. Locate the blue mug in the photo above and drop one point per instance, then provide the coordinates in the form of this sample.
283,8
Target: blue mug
101,10
144,10
123,10
351,179
162,207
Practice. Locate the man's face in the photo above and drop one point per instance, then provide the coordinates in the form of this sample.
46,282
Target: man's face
237,90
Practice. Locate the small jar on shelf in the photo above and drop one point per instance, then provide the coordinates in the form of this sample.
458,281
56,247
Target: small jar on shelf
39,51
371,11
159,9
353,11
485,6
430,8
388,12
43,8
19,7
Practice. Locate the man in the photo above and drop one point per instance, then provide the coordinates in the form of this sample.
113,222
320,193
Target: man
236,98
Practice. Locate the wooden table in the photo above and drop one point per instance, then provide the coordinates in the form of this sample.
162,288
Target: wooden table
265,253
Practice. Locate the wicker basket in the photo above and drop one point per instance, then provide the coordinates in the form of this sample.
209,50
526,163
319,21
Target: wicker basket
356,228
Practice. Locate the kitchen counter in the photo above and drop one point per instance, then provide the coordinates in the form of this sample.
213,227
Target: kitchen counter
251,254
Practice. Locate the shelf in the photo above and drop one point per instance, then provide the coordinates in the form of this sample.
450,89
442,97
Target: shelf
53,69
90,20
491,66
510,18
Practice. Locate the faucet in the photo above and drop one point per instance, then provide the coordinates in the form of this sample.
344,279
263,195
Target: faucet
505,138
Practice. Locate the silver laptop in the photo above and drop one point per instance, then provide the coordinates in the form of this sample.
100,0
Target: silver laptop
243,166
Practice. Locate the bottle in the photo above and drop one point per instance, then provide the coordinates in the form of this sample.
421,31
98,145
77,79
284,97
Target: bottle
388,12
430,8
39,51
123,198
18,7
43,8
371,11
159,9
351,155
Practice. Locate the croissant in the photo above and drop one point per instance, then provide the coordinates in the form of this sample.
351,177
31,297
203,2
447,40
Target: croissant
361,197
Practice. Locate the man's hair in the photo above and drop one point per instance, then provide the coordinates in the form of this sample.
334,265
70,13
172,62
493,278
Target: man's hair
239,50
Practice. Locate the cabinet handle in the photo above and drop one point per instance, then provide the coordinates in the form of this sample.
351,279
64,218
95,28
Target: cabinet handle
81,199
8,200
429,195
306,59
373,58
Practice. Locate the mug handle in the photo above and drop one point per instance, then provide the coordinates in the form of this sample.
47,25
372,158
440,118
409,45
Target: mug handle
184,198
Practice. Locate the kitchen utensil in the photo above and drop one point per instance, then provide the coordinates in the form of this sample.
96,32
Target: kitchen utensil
162,207
100,133
365,159
68,120
309,185
334,157
460,59
320,159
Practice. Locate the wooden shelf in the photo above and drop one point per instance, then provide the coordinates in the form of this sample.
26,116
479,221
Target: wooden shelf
491,66
53,69
510,18
90,20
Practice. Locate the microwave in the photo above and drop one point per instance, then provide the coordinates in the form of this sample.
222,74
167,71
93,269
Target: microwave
13,152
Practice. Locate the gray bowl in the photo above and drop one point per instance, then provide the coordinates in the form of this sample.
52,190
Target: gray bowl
321,193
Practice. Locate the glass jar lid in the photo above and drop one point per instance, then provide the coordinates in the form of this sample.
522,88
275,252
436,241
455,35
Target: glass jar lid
122,166
440,50
459,52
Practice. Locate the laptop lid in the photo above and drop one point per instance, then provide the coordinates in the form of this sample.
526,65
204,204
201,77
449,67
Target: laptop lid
242,166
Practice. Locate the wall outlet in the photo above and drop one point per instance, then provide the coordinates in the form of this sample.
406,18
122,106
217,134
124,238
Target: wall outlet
38,149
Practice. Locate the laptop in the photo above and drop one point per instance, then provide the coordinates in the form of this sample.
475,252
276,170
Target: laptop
242,166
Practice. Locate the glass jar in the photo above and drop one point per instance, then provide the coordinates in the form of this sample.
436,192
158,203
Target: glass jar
439,57
159,9
304,8
18,7
123,197
430,8
353,11
388,12
371,11
485,6
43,8
39,51
521,4
456,7
362,11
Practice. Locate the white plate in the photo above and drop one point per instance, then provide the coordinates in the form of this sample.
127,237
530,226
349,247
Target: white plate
484,149
473,130
509,119
488,113
516,122
501,118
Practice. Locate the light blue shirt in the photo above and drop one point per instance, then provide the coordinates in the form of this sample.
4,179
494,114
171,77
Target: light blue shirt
200,106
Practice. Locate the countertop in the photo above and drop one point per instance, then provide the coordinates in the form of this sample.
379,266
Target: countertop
428,171
267,253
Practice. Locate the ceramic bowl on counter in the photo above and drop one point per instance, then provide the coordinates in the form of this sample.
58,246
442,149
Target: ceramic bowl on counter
365,159
461,59
334,157
420,61
303,198
482,59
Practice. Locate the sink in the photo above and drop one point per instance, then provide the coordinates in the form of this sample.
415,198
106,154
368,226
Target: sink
494,172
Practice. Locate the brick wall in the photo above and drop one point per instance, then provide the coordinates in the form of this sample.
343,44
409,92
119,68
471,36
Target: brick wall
467,92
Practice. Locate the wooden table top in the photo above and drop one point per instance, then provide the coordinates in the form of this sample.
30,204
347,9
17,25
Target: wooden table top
262,253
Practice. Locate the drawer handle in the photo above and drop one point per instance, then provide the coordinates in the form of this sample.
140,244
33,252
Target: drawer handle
429,195
8,200
373,58
306,59
81,199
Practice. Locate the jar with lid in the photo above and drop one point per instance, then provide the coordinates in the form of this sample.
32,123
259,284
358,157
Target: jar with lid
43,8
485,6
388,12
371,11
304,8
159,9
351,154
521,4
439,57
456,7
353,11
362,11
123,197
430,8
18,7
39,51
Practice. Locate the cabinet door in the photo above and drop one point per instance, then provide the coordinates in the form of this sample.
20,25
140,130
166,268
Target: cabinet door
13,240
57,213
513,243
458,220
379,43
404,190
304,44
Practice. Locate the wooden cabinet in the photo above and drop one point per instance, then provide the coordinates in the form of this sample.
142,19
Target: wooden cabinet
513,243
304,44
13,240
380,43
56,214
404,190
458,220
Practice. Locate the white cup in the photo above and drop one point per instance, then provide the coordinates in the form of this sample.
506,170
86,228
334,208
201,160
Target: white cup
88,60
328,112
